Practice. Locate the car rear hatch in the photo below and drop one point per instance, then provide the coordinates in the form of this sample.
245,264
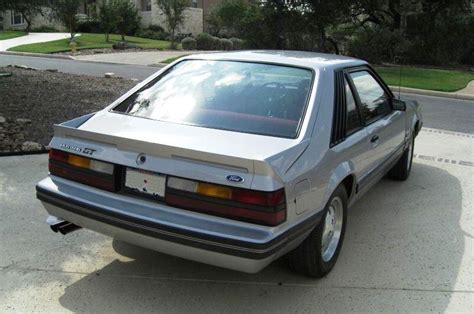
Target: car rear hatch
234,168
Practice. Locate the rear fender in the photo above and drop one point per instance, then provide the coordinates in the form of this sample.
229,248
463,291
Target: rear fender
342,171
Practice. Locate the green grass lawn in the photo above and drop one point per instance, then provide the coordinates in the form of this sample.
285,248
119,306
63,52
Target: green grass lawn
10,34
90,41
432,79
172,59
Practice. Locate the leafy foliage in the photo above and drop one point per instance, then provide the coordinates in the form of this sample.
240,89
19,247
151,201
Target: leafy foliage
108,17
188,43
375,30
174,14
128,20
65,11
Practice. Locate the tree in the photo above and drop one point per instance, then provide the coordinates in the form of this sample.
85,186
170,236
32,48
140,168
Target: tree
227,17
128,20
27,8
108,13
174,14
66,11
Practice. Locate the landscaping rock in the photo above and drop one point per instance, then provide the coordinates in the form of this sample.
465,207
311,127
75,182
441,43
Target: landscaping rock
109,75
31,146
52,70
23,121
124,45
31,102
21,66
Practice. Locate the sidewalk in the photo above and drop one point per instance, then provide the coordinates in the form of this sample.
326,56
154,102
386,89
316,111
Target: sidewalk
31,38
466,93
138,58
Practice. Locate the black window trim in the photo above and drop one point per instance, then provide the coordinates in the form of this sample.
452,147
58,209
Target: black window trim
338,129
357,101
379,80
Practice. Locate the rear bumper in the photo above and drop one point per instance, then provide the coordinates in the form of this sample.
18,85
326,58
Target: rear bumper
242,246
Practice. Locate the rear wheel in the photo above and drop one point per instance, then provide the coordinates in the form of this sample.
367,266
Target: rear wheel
401,170
318,253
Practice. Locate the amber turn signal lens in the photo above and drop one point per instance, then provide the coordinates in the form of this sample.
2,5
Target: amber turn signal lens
214,190
79,161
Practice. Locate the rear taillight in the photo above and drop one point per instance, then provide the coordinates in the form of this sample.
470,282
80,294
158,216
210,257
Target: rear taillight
84,170
268,208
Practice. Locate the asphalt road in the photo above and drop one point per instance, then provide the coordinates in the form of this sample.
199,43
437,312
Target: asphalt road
446,113
80,67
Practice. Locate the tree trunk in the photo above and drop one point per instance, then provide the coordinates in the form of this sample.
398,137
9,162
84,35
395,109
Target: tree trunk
322,39
334,44
173,44
28,23
123,37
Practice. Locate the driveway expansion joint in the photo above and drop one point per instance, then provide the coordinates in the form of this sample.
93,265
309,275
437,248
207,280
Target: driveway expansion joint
236,282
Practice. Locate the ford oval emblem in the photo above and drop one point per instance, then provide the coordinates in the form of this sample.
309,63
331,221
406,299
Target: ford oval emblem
235,178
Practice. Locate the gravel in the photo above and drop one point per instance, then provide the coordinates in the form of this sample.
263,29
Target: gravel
32,101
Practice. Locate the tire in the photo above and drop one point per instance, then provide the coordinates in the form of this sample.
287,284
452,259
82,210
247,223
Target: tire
313,259
401,170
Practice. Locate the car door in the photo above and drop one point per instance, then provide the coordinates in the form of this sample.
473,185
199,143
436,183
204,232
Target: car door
385,127
349,136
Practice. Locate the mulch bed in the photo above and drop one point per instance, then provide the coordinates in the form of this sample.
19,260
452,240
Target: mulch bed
85,52
32,101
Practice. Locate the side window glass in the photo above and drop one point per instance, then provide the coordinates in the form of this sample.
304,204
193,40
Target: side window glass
353,120
374,101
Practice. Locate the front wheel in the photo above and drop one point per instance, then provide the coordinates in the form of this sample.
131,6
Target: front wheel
318,253
401,170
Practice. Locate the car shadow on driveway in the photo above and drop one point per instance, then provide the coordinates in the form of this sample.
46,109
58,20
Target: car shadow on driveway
403,242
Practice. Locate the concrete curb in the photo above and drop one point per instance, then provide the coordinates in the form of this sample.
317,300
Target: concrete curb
425,92
41,55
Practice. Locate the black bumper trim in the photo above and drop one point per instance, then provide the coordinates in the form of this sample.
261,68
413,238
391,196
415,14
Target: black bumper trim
198,240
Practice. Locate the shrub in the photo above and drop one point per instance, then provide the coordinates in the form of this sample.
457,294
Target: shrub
216,43
156,28
204,41
44,29
89,27
152,34
227,44
237,43
188,43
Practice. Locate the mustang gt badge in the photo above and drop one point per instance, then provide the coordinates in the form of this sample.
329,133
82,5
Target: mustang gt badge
235,178
85,150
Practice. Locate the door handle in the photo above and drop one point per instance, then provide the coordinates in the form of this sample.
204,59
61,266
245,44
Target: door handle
374,139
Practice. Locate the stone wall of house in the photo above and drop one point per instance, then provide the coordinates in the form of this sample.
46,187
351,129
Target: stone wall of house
146,20
47,20
38,21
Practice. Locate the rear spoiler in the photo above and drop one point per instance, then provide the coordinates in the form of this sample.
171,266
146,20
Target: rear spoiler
68,137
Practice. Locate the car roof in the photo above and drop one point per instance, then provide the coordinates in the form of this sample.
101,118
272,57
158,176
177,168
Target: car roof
307,59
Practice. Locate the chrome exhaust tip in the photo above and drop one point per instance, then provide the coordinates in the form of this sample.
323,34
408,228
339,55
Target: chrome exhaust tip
61,226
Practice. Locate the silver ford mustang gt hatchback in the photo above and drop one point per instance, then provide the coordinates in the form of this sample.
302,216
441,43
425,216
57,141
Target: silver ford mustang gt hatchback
233,159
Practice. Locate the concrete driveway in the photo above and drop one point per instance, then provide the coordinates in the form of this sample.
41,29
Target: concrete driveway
31,38
409,247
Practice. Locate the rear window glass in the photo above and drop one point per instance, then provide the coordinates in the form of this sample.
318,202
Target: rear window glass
238,96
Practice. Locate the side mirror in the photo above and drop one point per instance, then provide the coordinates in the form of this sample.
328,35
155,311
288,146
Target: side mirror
398,105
